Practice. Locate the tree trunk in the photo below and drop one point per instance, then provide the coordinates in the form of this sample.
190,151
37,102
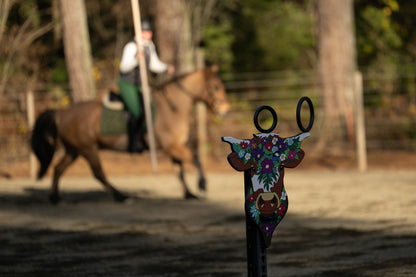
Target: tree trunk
337,62
77,50
179,24
171,23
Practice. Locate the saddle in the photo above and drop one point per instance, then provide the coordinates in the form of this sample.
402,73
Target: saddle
114,116
113,101
117,120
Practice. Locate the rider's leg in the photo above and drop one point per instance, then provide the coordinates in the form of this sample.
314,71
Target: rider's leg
131,97
136,134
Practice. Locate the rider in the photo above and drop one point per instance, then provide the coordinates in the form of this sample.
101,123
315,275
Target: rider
130,83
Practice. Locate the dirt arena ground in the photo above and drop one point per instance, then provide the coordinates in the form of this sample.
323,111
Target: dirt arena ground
340,223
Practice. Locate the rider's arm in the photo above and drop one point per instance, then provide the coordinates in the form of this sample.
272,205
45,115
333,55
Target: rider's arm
155,64
128,59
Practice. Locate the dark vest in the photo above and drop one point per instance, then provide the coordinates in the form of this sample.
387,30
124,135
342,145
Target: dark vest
133,76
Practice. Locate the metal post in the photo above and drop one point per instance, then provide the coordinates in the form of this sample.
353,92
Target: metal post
256,249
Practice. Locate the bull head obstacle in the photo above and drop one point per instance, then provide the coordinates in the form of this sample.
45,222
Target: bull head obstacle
263,159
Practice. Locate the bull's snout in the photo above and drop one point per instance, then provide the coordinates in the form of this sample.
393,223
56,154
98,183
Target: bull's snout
267,203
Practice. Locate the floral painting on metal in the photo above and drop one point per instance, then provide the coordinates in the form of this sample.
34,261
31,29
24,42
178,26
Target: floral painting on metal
265,156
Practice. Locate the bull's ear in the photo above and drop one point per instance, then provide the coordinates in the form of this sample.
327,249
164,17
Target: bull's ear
234,143
234,158
296,161
295,153
236,163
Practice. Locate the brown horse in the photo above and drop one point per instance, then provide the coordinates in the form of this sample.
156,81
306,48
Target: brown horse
78,129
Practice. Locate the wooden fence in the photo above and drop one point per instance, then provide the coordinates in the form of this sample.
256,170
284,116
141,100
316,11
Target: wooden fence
389,118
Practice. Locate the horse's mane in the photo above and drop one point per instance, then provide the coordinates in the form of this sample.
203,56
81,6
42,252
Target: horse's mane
174,79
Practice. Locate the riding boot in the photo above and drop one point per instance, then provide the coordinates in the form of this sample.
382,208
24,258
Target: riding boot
135,140
142,132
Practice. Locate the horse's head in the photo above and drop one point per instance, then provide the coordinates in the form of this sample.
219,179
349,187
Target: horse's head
215,95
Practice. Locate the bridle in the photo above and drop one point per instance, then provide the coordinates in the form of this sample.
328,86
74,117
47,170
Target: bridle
184,90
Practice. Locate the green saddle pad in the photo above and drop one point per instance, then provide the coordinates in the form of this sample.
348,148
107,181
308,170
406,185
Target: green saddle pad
113,122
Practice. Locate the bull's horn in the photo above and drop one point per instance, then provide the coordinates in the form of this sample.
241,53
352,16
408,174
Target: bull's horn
303,135
231,140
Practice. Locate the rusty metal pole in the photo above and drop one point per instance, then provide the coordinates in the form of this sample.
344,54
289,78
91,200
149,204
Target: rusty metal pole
256,249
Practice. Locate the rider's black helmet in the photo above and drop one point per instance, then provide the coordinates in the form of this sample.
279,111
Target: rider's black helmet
146,26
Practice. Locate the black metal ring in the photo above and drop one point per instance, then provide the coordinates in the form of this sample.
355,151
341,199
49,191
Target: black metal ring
256,119
311,114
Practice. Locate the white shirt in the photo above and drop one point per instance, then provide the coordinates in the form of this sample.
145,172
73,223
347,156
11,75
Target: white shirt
129,60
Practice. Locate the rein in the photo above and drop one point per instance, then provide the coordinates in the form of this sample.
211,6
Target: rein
177,81
171,105
184,90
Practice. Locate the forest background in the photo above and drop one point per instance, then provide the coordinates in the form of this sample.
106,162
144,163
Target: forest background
242,36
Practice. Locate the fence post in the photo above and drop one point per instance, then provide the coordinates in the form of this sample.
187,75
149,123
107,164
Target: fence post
30,110
201,115
360,123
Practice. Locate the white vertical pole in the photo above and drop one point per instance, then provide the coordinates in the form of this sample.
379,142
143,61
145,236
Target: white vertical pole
201,114
30,110
145,84
360,123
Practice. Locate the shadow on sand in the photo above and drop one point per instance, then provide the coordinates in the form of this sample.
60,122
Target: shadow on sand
89,235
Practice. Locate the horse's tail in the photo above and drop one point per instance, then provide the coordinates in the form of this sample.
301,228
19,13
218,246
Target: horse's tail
44,140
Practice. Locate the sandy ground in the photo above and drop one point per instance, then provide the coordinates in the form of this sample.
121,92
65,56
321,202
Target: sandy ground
339,223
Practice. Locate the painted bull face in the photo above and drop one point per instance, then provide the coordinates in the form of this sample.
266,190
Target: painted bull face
266,156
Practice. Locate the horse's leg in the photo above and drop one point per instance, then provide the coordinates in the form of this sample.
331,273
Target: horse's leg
91,156
63,164
180,155
201,181
187,193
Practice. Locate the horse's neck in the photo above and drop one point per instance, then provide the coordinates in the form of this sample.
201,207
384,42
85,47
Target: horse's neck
183,92
171,103
192,84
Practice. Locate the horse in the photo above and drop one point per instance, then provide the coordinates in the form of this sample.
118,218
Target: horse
77,129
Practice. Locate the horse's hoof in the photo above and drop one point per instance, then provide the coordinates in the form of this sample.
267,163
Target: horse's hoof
189,196
203,194
129,201
54,198
119,197
202,184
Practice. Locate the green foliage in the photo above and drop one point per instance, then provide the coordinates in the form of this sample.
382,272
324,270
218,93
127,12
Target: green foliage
59,73
241,36
377,34
385,50
284,32
218,40
262,35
